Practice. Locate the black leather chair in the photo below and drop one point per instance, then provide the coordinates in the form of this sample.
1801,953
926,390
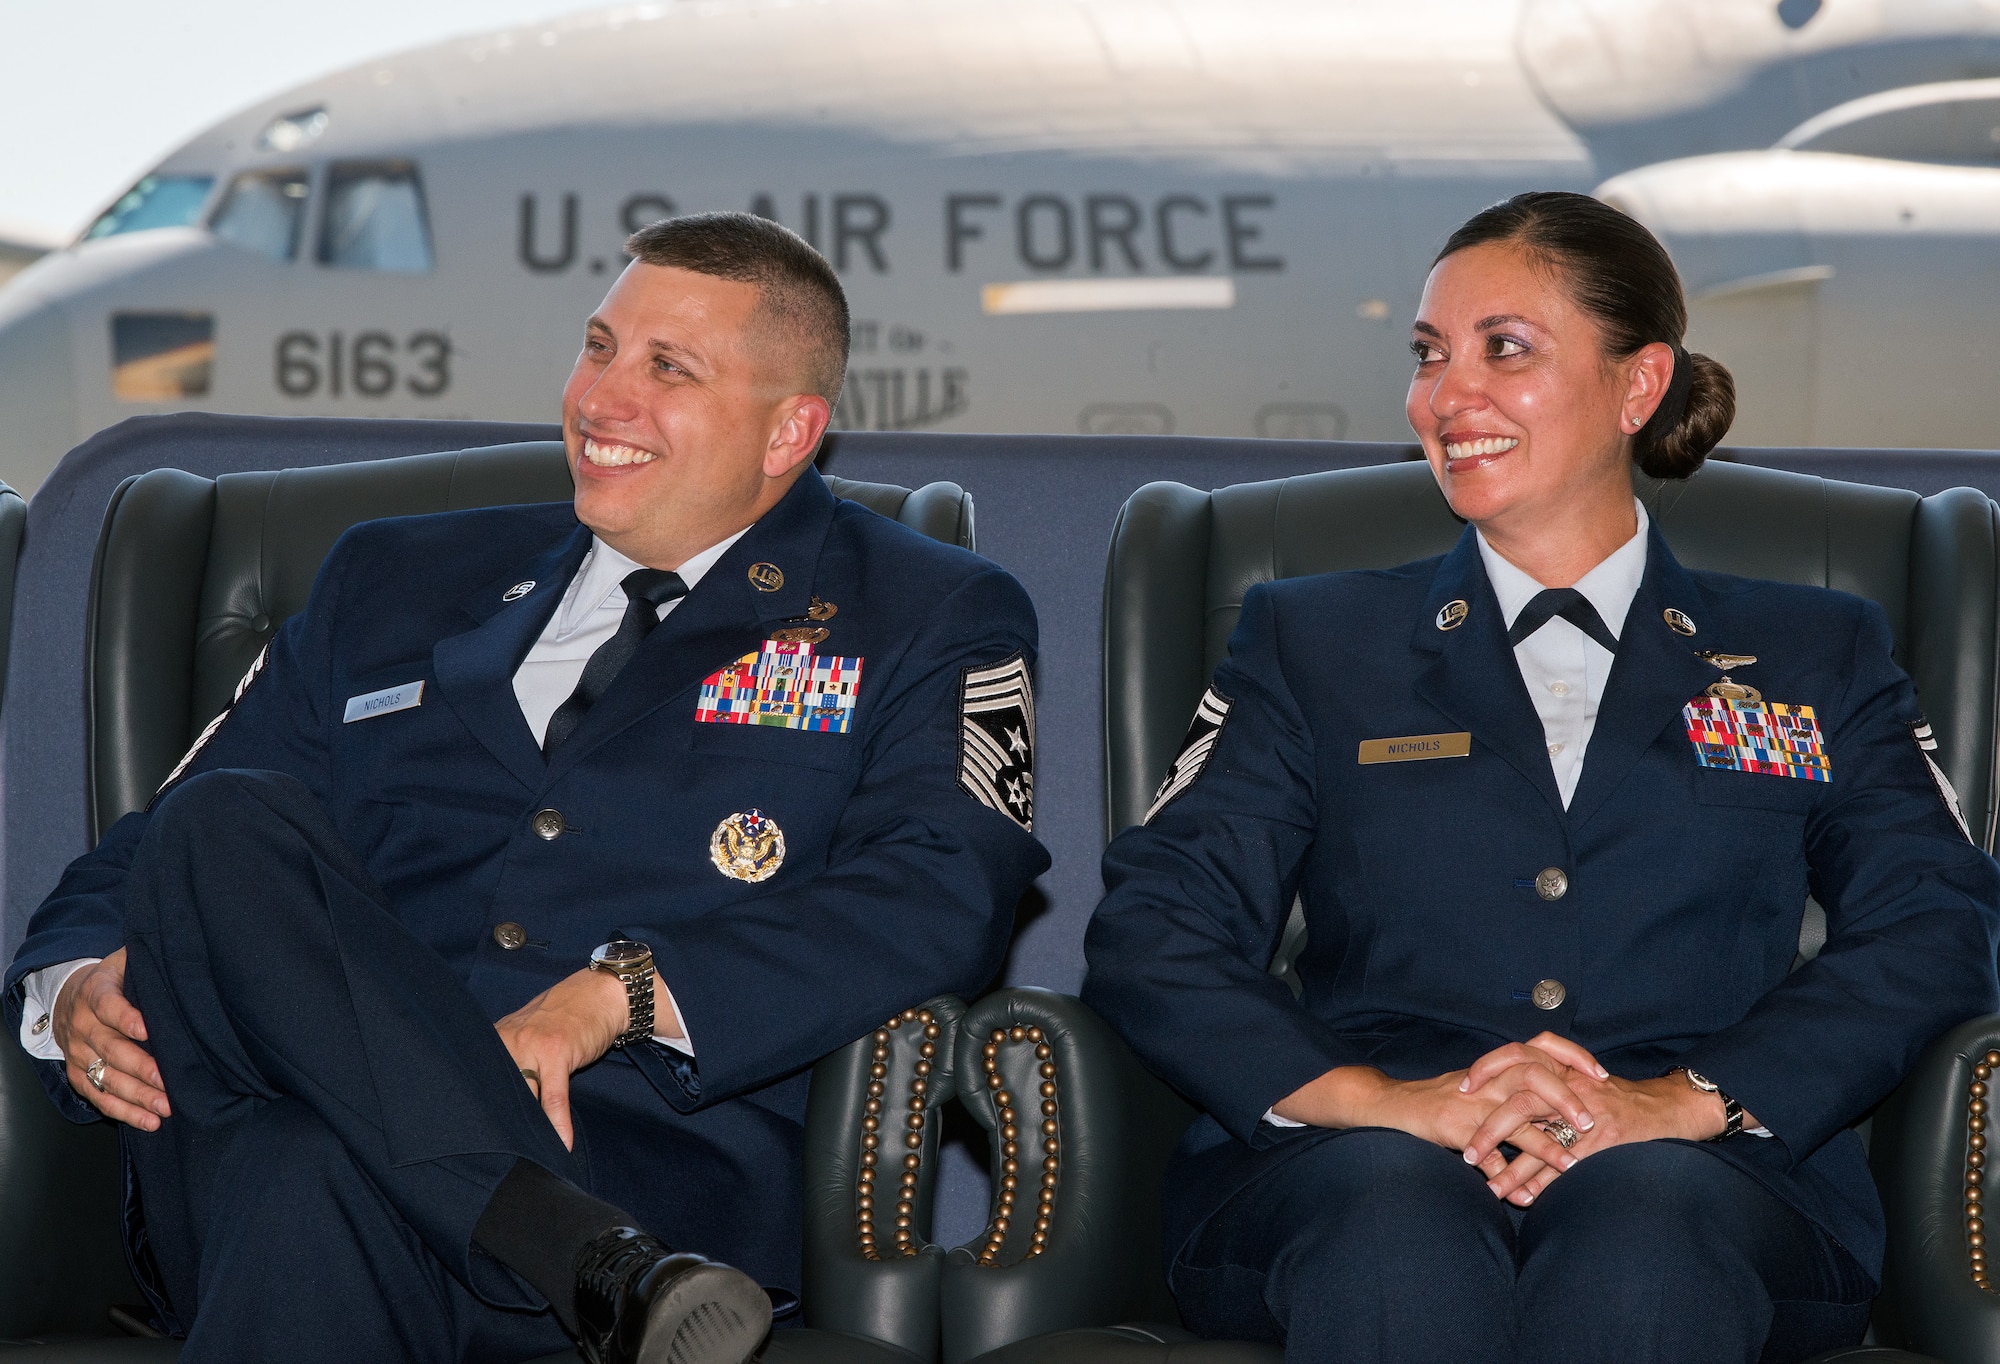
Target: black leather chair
1179,565
192,576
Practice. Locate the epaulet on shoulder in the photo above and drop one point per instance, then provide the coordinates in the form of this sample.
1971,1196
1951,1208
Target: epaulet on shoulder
1358,579
1798,601
886,535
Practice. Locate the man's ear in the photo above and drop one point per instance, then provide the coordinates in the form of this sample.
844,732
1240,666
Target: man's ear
802,420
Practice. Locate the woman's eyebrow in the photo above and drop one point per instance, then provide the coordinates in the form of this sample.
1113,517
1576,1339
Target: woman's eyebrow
1427,329
1501,320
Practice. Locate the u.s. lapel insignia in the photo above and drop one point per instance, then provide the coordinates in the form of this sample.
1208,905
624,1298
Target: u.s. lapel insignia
799,634
766,577
518,591
1677,621
748,846
821,610
1453,615
1203,733
996,738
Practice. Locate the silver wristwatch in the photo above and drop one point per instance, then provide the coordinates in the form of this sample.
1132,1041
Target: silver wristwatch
632,963
1732,1111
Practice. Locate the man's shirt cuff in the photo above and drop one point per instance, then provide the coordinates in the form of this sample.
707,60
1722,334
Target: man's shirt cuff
683,1044
39,990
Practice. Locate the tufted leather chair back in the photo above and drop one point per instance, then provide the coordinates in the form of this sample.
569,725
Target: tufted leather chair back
193,575
1181,561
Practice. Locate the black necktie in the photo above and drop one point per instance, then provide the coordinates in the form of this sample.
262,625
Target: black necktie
1566,602
646,591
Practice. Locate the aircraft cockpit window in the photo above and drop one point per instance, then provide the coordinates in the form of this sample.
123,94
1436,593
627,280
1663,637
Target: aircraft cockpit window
375,217
262,212
156,201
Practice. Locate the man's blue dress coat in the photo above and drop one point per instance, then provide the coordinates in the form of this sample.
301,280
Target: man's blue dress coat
1675,940
896,884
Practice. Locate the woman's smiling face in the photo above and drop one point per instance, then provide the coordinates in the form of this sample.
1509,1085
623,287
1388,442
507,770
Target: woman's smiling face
1524,419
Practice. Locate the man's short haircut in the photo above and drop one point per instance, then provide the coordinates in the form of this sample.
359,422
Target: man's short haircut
801,294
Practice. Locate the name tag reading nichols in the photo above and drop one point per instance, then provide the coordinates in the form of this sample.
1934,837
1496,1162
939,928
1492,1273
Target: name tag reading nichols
1416,747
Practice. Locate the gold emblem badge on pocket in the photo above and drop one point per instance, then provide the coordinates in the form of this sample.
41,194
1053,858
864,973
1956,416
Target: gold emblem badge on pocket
1416,748
748,846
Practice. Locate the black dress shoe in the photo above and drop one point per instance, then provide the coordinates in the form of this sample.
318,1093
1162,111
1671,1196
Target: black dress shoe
639,1303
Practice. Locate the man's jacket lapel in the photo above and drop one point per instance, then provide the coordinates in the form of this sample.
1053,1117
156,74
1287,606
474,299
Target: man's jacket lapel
1474,679
475,670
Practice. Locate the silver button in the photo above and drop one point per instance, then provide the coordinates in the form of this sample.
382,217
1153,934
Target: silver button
512,935
41,1025
1549,994
1559,688
1551,884
550,824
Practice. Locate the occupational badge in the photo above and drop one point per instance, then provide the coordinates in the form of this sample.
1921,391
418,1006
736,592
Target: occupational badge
996,738
1766,737
821,610
1729,689
766,577
1927,745
1204,732
201,741
800,634
783,685
748,846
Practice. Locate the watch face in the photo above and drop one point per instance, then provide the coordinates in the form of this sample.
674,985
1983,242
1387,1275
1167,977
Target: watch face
622,953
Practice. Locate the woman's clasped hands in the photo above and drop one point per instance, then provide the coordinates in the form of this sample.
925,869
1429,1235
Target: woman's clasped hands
1547,1098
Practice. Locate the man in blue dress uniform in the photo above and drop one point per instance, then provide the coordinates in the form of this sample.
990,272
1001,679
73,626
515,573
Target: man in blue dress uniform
539,858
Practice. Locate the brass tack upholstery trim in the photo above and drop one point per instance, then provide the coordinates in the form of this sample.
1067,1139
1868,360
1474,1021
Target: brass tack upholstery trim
1975,1167
872,1123
1004,1104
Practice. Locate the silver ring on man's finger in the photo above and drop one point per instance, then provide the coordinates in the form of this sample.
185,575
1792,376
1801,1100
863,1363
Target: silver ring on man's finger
94,1072
1566,1136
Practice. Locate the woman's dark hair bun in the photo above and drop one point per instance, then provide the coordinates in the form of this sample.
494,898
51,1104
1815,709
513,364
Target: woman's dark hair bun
1678,450
1618,272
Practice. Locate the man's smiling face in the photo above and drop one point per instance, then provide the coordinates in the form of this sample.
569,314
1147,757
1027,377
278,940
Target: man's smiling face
679,418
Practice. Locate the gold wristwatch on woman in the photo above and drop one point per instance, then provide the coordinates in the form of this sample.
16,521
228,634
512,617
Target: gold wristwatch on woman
1732,1111
632,963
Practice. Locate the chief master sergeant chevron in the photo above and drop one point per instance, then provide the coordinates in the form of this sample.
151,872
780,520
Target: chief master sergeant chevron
536,862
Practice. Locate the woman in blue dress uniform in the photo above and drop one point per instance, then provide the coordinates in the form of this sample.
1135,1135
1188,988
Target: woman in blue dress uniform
1553,805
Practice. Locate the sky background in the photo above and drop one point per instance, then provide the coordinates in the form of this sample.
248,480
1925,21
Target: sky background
94,92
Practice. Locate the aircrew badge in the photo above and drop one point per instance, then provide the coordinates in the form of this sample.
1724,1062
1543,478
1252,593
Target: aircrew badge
783,685
748,846
1767,737
1204,731
996,738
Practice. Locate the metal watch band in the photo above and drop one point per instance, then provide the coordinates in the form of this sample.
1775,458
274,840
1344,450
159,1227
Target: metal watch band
639,1003
1732,1117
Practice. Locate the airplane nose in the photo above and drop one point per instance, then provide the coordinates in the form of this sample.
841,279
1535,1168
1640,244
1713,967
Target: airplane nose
37,396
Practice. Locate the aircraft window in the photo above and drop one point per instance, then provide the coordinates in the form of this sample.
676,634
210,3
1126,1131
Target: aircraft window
375,217
156,201
262,212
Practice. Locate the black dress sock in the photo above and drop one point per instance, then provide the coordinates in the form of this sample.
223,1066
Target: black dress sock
537,1224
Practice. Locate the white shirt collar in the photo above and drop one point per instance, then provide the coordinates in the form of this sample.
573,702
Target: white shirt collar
602,578
1609,587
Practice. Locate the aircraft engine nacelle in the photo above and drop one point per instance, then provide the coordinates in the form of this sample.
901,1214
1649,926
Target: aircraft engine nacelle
1852,297
1643,80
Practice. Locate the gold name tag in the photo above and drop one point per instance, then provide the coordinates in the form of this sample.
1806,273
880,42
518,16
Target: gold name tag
1417,747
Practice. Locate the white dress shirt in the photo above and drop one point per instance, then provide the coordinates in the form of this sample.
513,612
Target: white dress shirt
590,612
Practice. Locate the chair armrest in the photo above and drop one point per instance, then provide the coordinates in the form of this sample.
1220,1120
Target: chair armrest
1083,1250
1919,1148
870,1269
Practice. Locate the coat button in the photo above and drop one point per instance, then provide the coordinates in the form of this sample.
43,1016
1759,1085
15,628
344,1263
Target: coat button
1549,994
512,935
550,824
1551,883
